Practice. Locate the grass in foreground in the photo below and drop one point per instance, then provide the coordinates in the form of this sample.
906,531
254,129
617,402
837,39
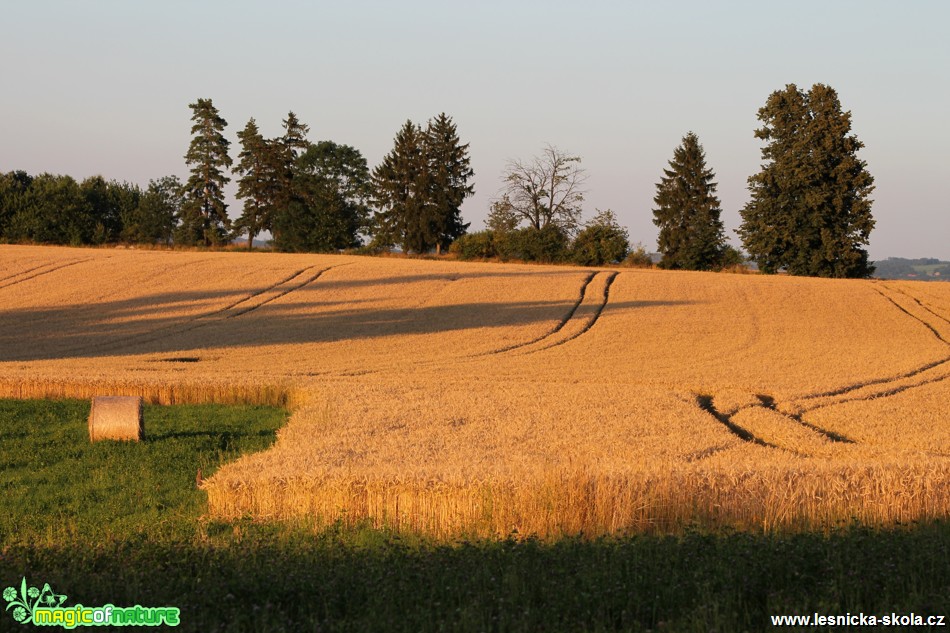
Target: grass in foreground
121,524
57,486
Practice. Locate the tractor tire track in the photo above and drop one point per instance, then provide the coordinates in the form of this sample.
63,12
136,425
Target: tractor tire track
590,323
557,328
932,329
283,293
769,403
877,381
212,316
920,303
24,272
41,273
219,315
878,395
705,402
898,377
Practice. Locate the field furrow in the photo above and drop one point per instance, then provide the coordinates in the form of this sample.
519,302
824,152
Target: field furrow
585,316
38,271
582,295
661,398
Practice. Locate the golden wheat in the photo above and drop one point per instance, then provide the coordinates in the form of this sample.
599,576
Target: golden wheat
455,398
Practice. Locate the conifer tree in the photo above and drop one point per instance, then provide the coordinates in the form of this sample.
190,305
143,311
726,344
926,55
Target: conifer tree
687,211
401,194
449,174
205,214
260,181
287,150
810,211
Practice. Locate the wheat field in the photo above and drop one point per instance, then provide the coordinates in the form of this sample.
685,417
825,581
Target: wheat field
486,399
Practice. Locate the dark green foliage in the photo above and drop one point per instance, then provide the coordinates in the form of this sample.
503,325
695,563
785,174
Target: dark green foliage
286,150
204,216
602,241
261,170
13,189
478,245
121,524
449,174
154,219
401,193
330,210
107,203
810,211
550,244
691,234
419,188
51,211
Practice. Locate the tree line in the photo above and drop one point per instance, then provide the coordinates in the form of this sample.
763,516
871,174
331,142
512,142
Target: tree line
808,214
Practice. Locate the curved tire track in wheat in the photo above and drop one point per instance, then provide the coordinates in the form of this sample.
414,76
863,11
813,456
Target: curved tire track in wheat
878,387
557,328
48,269
234,309
591,321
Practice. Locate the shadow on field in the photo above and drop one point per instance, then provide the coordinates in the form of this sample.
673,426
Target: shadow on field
269,578
147,324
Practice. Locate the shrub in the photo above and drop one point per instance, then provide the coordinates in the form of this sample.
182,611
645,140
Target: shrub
638,257
478,245
548,245
603,241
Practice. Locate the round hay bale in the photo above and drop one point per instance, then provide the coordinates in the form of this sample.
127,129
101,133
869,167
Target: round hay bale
116,418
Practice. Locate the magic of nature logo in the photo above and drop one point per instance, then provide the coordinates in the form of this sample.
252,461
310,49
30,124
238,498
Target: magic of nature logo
44,607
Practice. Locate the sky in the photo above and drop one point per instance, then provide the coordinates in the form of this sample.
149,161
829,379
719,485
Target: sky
103,87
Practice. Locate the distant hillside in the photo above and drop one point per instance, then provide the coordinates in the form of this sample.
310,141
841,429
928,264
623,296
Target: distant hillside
925,269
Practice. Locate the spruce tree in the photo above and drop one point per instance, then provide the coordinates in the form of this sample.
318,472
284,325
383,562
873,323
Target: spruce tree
449,174
259,183
687,211
205,214
401,194
810,211
287,150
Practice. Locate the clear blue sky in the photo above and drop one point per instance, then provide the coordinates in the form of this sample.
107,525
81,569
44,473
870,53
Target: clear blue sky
103,87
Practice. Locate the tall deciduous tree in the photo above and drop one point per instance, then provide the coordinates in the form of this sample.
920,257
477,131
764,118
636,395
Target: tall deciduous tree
810,211
548,189
14,187
154,219
687,211
449,175
205,213
330,209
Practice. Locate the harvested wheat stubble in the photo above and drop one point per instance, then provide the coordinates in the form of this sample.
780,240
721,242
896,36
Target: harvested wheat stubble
116,418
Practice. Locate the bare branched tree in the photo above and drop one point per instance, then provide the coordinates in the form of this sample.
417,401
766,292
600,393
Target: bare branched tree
546,190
